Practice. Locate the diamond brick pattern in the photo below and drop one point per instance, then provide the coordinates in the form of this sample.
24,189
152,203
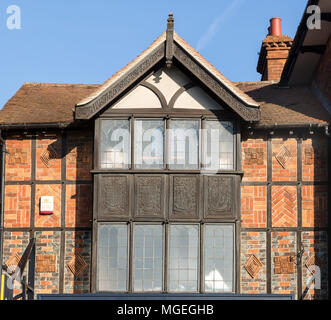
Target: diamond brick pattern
77,264
284,206
13,262
253,266
283,156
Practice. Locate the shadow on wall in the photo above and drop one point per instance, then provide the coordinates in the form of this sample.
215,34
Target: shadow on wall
315,213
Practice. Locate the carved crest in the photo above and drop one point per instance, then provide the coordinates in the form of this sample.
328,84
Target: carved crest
284,265
185,194
219,194
149,196
114,195
17,156
46,263
254,156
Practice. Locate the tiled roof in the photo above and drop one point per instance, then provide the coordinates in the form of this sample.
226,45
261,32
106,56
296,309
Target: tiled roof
285,106
54,103
44,103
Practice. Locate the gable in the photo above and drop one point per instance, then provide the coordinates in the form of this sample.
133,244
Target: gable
167,88
164,50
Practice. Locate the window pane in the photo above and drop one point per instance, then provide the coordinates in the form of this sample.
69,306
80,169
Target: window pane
184,144
148,258
112,257
148,144
115,144
183,258
218,259
218,141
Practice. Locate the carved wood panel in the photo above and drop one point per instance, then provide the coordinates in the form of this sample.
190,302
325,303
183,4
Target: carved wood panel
149,196
113,196
184,196
218,197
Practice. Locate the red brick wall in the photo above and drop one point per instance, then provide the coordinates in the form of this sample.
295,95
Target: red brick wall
298,199
62,170
275,62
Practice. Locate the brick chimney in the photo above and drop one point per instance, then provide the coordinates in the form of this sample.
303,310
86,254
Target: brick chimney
274,52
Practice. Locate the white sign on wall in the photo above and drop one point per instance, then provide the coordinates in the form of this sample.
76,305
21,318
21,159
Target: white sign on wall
46,205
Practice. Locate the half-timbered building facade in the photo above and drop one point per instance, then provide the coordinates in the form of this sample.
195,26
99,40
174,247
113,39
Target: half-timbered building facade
170,178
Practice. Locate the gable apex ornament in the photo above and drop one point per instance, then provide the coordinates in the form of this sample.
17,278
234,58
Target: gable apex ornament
170,48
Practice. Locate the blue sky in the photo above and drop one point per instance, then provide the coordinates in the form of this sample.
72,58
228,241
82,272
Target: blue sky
85,41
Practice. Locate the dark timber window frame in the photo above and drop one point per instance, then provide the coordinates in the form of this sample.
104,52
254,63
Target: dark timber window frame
166,256
166,167
167,115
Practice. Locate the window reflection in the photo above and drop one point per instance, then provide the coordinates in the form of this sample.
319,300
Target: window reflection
183,261
218,266
148,258
148,146
184,144
115,144
218,142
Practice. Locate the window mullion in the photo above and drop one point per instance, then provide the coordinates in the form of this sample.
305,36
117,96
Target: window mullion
166,143
201,260
130,257
166,257
132,164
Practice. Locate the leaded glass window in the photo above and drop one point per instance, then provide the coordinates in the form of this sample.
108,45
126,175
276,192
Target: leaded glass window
218,145
219,258
183,258
148,258
151,259
112,257
148,144
115,144
184,144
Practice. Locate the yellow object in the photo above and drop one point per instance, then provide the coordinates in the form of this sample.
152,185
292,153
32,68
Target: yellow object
2,291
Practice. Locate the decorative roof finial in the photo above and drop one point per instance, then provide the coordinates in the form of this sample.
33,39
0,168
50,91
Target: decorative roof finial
171,20
170,40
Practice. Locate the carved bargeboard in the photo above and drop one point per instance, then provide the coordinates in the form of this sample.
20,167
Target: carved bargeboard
149,196
218,197
185,197
113,196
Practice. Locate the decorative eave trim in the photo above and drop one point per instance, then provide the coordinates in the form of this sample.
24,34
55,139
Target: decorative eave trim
90,109
248,113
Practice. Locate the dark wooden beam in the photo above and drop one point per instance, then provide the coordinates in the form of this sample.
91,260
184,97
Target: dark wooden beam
326,16
319,49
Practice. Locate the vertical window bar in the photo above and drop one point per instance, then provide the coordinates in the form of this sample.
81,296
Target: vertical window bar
201,260
132,128
166,142
130,251
165,257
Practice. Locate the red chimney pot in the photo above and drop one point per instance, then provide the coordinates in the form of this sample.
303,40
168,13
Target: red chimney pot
276,26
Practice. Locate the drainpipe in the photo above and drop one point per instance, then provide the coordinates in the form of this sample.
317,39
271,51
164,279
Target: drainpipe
2,193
